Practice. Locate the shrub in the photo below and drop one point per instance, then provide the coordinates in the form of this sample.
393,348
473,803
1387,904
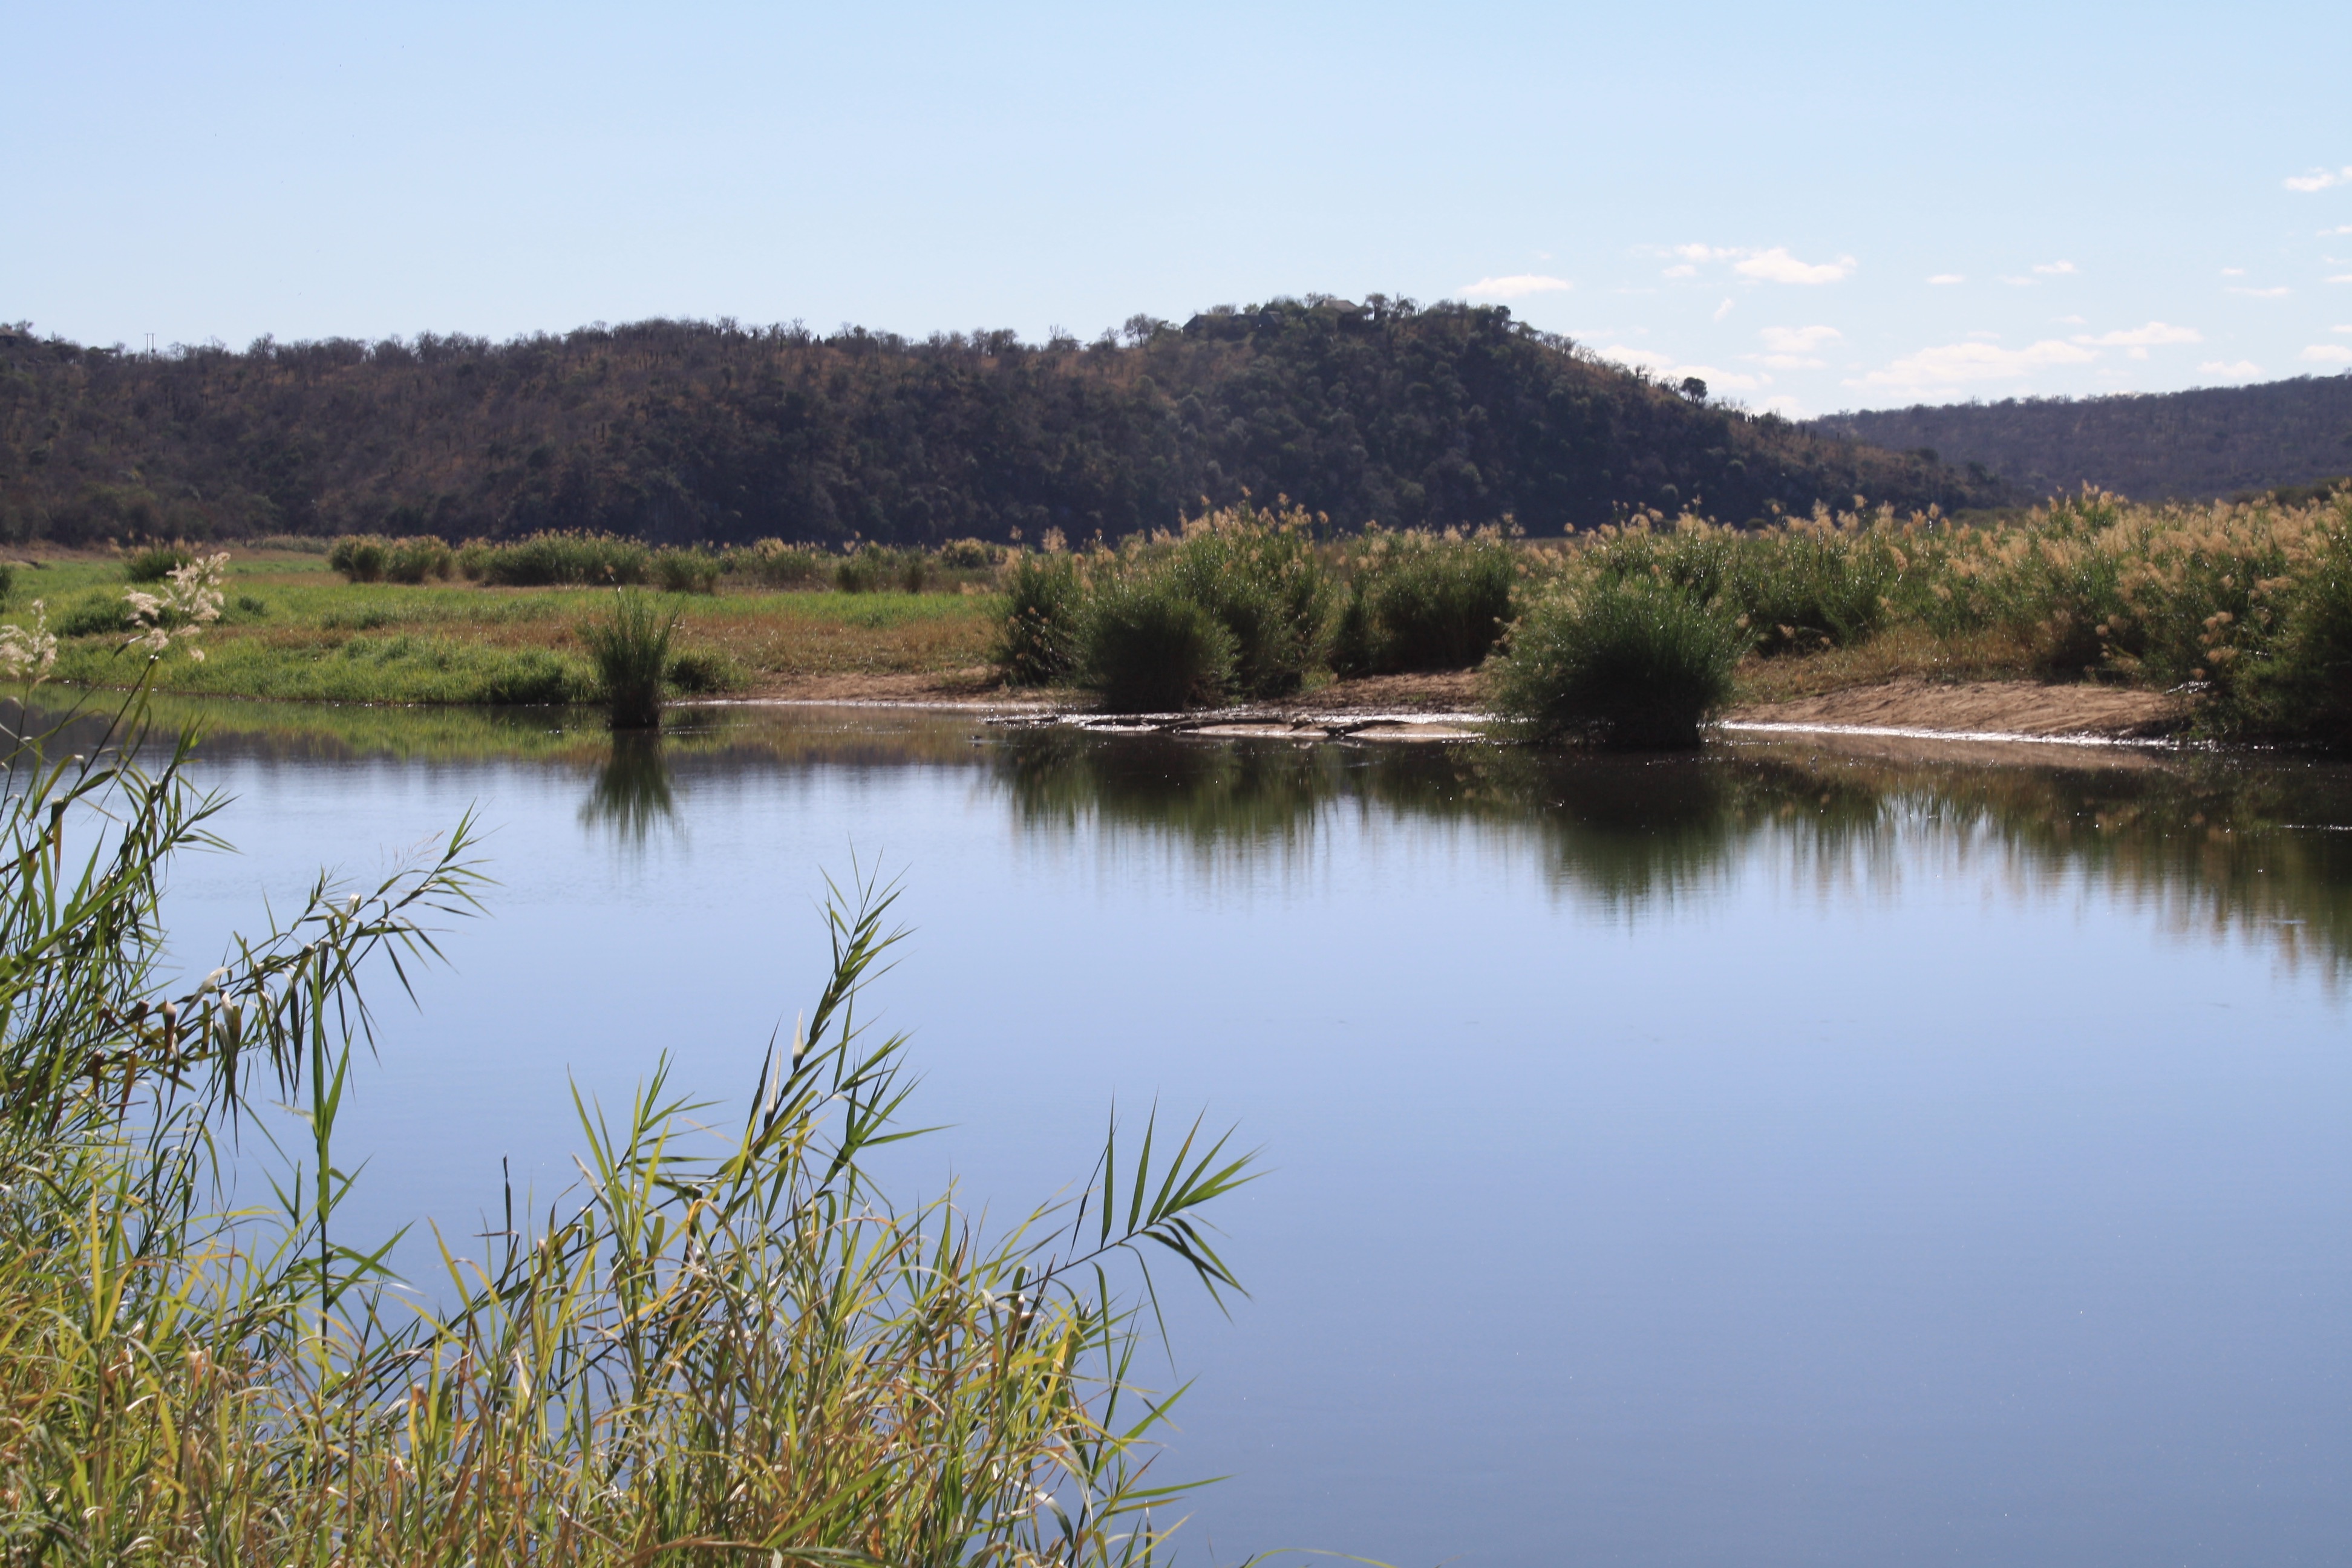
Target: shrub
2299,688
1037,643
1148,647
532,677
1258,576
7,580
92,614
1422,600
1813,584
416,559
360,557
156,562
776,565
877,568
543,559
685,571
1628,663
630,652
702,672
970,555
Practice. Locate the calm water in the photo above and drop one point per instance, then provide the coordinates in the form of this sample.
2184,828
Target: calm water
1770,1158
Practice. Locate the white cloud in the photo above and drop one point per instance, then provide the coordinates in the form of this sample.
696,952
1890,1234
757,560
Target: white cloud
1723,310
1947,278
1704,252
2233,272
1798,340
2071,321
1681,270
1777,266
2341,328
2319,179
2281,293
1953,363
1519,286
1786,407
2155,332
2018,282
2055,269
2328,353
1671,369
2339,229
2238,371
2341,277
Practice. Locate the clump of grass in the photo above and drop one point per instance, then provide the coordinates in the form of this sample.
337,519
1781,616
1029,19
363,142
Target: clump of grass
1148,647
542,560
1037,643
773,563
1628,663
878,568
7,580
1422,600
631,651
157,561
686,570
1255,572
729,1334
703,671
970,555
370,558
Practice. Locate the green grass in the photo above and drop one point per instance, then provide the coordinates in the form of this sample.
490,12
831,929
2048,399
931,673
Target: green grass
292,629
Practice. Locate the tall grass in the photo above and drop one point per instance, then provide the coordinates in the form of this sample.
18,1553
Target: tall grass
726,1346
1421,601
631,651
1630,663
1037,643
543,559
1148,647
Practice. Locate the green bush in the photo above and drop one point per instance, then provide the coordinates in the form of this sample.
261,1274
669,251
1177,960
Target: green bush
1628,663
969,554
360,557
775,564
685,571
1805,587
630,652
88,614
543,559
7,580
413,560
700,672
1258,576
1148,647
1037,643
1422,600
156,562
2300,688
878,568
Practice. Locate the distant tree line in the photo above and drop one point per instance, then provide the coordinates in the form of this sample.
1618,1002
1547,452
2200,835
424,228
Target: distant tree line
680,431
2175,446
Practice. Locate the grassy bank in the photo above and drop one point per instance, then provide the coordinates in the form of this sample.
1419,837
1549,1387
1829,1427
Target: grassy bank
2247,607
291,627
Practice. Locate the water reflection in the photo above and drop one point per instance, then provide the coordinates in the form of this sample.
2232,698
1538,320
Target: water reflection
631,795
2225,845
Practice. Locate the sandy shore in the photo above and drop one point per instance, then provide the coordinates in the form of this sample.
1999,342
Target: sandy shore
1440,706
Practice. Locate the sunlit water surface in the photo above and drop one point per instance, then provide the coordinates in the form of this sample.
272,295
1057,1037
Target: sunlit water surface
1774,1157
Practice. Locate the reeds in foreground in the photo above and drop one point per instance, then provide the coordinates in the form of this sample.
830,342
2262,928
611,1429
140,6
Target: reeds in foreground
724,1347
631,651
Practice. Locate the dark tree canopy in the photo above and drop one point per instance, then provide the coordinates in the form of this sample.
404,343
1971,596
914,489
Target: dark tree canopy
689,430
2174,446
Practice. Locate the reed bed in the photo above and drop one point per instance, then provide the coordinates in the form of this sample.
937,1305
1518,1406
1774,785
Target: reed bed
726,1346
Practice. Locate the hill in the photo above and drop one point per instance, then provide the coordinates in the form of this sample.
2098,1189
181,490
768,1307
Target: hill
2174,446
690,430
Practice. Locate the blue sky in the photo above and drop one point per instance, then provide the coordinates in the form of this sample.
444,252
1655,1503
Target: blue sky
1811,207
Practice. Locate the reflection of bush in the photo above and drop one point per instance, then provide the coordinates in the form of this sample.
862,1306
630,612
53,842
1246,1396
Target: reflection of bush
631,795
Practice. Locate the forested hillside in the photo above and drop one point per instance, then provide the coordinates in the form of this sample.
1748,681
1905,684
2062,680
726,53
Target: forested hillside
2213,441
686,430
